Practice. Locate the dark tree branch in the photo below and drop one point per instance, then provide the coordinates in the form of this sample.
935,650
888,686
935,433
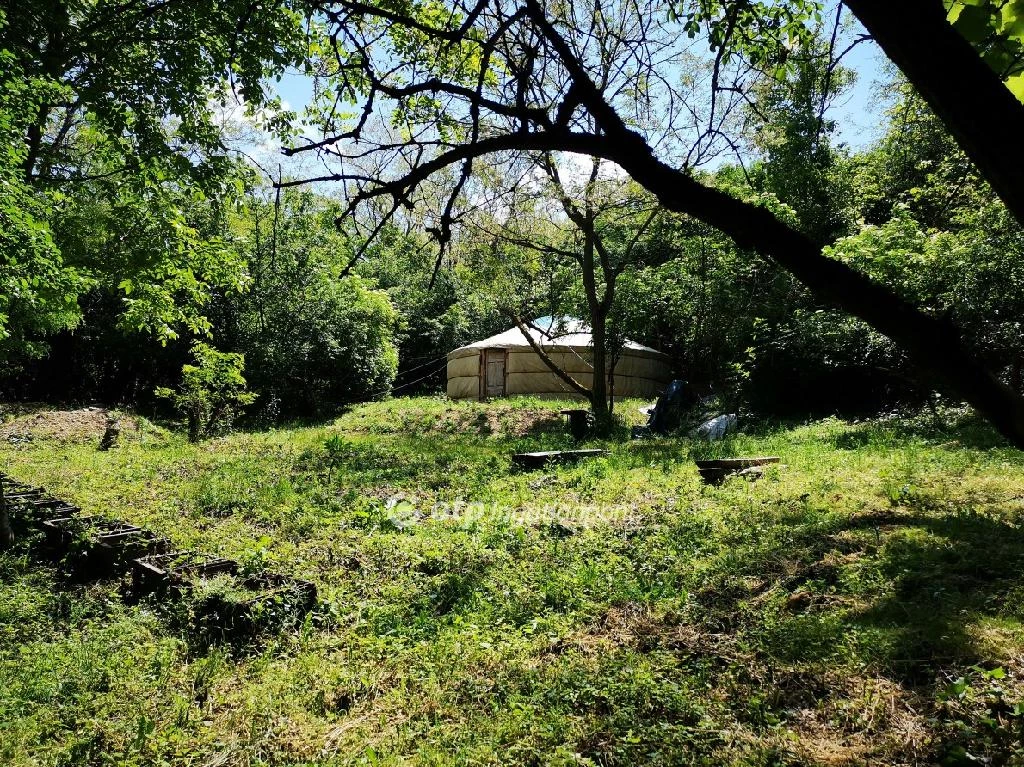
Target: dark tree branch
935,344
830,69
980,111
987,119
571,382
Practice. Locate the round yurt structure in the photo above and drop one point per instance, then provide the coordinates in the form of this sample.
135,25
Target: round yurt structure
506,364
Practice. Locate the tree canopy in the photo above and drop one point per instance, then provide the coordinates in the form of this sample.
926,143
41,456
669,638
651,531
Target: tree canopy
115,167
123,192
468,80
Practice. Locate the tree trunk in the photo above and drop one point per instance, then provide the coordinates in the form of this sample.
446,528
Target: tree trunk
598,385
935,344
599,388
614,361
985,118
6,532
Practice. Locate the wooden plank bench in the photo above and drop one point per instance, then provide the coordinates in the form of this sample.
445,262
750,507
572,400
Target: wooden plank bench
714,471
542,458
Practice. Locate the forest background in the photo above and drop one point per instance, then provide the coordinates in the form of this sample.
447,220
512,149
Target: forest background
144,228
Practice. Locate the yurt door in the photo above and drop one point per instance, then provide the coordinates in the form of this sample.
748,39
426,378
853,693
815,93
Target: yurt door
494,373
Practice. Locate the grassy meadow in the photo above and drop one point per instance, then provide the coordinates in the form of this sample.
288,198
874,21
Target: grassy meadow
862,603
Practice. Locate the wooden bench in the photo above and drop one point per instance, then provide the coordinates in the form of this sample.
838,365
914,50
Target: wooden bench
539,459
715,470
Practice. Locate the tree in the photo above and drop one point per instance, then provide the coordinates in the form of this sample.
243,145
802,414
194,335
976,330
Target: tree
115,160
917,167
211,392
600,230
126,69
312,340
485,78
439,310
37,289
610,223
788,115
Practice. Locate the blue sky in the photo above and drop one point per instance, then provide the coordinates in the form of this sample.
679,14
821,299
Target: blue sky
859,114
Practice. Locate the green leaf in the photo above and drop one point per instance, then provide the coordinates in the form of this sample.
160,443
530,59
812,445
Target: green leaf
1016,86
975,23
1013,19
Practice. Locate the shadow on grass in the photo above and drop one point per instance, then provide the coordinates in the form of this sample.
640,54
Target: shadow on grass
906,590
963,430
947,572
258,424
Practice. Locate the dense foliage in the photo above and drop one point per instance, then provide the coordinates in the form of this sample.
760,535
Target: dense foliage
127,224
211,392
114,161
312,340
919,220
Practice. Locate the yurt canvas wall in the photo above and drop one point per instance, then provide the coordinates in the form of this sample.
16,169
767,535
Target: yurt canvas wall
506,364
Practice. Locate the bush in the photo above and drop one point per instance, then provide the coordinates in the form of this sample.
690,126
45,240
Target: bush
330,344
212,391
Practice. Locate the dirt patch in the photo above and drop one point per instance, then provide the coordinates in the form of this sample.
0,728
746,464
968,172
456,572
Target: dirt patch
504,421
861,719
636,627
26,423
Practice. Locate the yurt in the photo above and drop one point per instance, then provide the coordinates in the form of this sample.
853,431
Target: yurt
506,364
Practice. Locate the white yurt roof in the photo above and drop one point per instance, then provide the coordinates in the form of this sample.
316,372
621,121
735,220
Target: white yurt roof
548,332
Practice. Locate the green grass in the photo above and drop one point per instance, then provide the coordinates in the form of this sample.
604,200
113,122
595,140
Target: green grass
862,603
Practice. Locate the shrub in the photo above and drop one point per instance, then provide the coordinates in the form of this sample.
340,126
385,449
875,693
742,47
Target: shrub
212,391
329,344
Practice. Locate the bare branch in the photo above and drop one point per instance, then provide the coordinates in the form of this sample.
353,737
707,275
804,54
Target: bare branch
572,383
